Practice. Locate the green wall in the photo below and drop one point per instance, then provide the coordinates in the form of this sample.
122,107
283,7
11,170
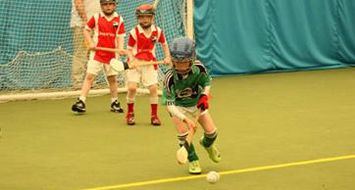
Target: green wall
250,36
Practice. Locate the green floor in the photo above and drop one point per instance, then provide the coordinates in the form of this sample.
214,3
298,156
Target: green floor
264,120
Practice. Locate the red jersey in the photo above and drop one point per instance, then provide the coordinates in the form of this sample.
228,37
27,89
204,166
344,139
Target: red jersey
143,46
105,34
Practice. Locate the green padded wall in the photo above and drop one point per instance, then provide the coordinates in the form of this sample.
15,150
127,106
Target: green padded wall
250,36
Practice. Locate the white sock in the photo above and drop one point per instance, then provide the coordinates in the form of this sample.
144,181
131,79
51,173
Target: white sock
82,98
153,100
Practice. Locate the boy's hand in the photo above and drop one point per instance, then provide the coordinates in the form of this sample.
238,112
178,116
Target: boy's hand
89,45
167,61
132,65
122,52
190,124
203,102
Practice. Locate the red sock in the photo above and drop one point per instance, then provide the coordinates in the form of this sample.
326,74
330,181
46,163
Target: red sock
154,108
130,108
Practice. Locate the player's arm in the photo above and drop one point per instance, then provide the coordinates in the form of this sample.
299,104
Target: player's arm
120,37
130,44
176,113
170,96
165,47
130,53
87,32
166,51
88,39
205,84
120,42
130,57
204,97
204,79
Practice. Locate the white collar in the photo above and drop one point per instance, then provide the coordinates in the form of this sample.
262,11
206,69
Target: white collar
108,18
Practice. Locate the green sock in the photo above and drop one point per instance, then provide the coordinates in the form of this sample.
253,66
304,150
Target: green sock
208,139
192,154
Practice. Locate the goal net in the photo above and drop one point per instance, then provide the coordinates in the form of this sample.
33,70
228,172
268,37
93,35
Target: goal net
37,46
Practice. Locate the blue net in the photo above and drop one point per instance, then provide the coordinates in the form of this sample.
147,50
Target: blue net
36,41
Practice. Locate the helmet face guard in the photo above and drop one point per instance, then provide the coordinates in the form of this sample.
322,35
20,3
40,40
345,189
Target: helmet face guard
144,13
183,53
182,56
145,10
104,2
182,68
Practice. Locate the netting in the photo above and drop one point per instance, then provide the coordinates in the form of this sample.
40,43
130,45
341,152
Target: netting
37,47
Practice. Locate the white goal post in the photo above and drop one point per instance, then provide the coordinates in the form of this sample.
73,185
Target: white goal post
36,46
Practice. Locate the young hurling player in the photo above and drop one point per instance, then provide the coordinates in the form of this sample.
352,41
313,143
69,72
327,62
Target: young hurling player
82,10
141,46
186,87
109,32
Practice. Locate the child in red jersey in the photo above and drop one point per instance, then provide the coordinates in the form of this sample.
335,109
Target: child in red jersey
109,32
141,47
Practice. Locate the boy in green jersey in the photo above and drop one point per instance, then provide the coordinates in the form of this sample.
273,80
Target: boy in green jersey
186,89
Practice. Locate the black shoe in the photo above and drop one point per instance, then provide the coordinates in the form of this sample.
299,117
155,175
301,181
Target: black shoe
116,107
79,106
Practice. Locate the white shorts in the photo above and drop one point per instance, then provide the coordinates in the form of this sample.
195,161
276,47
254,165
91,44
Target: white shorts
191,110
94,67
147,74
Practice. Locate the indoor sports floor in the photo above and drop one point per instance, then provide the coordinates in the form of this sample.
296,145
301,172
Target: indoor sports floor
277,131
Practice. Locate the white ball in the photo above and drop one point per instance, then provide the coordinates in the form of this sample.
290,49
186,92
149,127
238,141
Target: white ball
212,177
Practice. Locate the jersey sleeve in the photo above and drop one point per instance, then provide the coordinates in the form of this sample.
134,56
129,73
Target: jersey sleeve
121,30
161,37
169,88
205,78
90,24
132,39
169,93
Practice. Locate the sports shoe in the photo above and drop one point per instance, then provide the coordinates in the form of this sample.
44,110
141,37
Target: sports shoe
79,106
130,119
212,151
154,120
116,107
194,167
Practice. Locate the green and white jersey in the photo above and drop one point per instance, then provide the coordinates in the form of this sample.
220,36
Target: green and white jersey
186,91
